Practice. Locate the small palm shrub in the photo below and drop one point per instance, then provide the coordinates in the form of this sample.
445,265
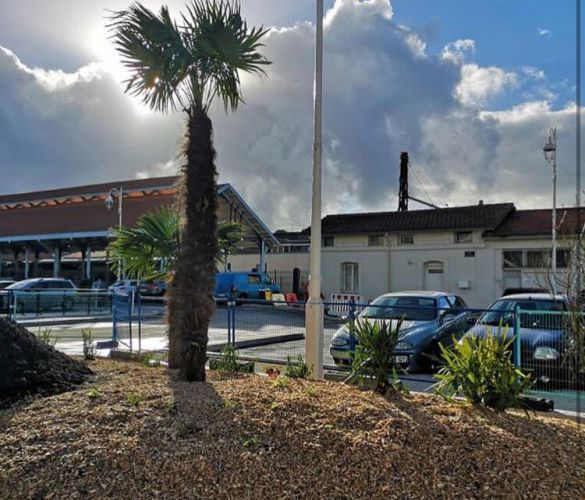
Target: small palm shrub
374,354
481,370
228,362
297,369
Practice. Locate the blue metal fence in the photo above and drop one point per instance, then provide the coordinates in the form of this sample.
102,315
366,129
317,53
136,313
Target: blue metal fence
127,320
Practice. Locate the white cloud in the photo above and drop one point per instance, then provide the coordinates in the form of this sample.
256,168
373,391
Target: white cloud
383,94
543,32
458,50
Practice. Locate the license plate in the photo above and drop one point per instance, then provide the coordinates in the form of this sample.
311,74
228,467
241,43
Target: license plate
401,360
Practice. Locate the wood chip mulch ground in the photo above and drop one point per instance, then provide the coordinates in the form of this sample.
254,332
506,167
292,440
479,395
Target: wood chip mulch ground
134,432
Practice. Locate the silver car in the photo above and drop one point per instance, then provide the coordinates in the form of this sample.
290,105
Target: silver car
427,318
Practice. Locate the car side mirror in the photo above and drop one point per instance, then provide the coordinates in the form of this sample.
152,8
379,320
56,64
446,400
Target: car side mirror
446,317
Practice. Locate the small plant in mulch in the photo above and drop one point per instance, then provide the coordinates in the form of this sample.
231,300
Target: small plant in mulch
230,404
46,335
482,371
282,382
151,359
297,369
133,399
93,394
228,362
89,350
374,359
172,407
251,442
311,391
274,405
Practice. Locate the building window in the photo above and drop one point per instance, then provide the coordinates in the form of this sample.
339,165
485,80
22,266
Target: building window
463,237
512,259
470,253
537,258
375,240
406,239
329,241
349,277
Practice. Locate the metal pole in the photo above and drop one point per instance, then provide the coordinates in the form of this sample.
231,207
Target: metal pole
554,211
314,309
120,212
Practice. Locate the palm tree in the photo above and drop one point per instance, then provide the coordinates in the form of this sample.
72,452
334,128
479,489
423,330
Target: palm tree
187,66
150,249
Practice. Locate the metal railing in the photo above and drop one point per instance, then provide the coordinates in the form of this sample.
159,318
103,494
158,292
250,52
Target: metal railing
550,346
35,304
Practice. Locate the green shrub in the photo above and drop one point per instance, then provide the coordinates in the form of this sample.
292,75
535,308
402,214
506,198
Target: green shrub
46,335
89,350
93,394
297,369
133,399
481,370
281,382
374,354
228,362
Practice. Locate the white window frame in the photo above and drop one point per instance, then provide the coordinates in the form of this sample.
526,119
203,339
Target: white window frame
402,236
350,282
468,234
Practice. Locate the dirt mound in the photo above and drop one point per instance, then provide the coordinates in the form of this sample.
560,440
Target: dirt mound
28,365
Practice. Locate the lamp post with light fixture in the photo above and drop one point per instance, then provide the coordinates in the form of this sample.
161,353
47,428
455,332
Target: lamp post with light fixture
550,155
119,194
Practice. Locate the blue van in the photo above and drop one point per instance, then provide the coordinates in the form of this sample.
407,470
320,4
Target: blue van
243,285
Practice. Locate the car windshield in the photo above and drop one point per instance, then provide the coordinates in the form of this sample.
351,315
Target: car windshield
502,312
20,285
409,308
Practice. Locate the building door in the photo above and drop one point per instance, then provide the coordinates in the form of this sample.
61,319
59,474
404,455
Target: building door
433,276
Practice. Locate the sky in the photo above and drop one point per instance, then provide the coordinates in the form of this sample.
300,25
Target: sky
469,88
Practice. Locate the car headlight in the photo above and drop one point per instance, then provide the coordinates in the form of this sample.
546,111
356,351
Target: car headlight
340,339
403,346
546,353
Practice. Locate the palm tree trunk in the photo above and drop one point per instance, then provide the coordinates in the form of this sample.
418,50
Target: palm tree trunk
191,302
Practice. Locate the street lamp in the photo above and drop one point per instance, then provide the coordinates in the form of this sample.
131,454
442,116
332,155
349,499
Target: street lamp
119,194
550,155
314,308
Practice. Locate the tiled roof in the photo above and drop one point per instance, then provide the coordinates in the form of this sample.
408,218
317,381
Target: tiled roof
487,217
538,222
292,237
129,185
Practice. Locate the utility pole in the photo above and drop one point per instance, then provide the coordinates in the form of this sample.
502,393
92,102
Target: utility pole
314,307
550,154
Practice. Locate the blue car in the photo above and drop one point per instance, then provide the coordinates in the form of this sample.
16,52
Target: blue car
243,285
427,318
542,332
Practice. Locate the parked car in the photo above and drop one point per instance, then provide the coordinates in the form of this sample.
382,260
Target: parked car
57,294
542,336
37,284
243,285
124,286
427,318
5,282
156,288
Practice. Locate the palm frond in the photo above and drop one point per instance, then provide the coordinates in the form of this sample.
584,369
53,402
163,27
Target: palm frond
175,66
224,46
152,49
